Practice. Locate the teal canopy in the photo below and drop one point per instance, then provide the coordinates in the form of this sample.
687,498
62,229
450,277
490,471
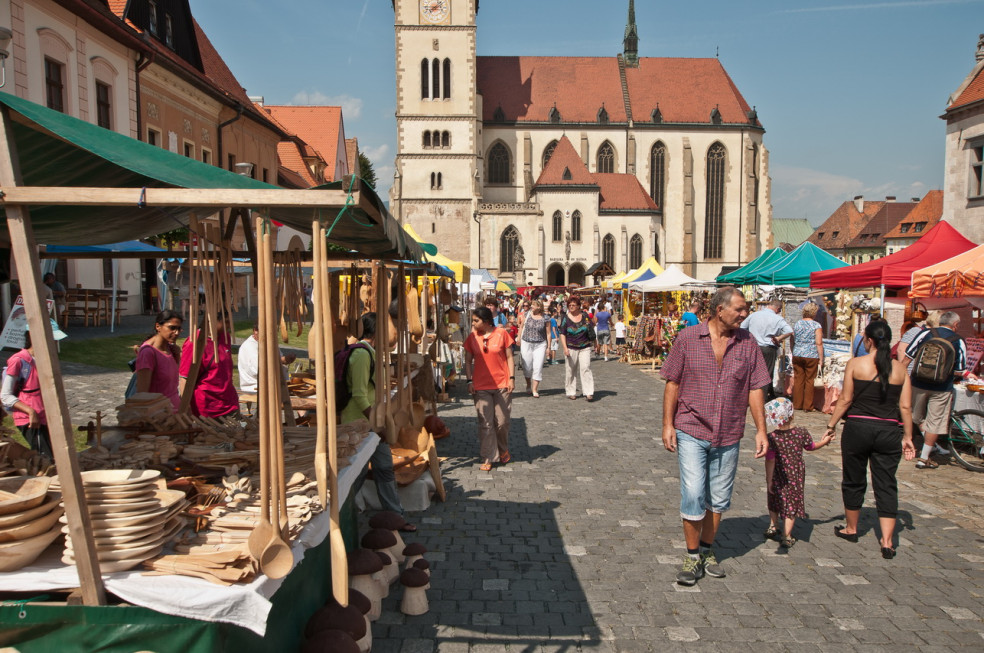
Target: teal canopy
795,268
765,259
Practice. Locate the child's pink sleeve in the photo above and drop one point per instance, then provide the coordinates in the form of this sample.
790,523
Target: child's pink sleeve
808,442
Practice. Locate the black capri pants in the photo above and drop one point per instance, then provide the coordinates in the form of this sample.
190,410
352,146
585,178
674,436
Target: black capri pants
876,443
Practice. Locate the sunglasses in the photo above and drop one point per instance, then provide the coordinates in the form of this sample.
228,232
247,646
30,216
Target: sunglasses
485,345
174,327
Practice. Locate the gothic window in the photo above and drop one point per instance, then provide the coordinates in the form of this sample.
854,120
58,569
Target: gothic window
435,181
576,226
508,244
606,158
657,174
977,171
554,115
427,139
424,79
558,226
447,79
436,138
714,210
548,152
567,174
635,252
445,139
608,250
436,79
603,115
498,166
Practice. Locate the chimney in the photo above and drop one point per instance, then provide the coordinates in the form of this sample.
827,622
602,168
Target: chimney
916,199
980,48
859,203
890,198
256,99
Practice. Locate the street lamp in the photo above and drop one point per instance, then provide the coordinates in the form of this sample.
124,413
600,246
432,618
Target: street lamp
5,36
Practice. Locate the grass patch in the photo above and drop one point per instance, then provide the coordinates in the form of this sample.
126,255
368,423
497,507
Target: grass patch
112,353
8,428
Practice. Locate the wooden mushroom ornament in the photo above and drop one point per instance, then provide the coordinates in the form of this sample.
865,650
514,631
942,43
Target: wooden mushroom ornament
393,522
413,552
381,540
385,575
415,585
363,565
423,566
363,605
334,616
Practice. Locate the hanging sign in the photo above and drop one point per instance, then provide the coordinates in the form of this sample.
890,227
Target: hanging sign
975,352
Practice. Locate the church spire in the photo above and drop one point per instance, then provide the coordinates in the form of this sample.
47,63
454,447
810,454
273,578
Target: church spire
630,44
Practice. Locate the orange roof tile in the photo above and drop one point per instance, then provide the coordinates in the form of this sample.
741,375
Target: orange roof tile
216,69
687,90
565,160
973,92
623,192
929,211
846,222
290,179
873,233
291,157
318,126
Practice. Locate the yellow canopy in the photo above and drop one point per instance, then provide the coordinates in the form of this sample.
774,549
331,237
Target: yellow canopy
462,273
609,283
649,265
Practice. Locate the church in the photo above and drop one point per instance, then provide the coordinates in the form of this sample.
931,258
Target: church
537,168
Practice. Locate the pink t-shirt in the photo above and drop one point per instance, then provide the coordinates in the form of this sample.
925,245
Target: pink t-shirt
214,394
30,392
163,372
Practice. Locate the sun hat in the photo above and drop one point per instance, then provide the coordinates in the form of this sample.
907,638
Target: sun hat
778,413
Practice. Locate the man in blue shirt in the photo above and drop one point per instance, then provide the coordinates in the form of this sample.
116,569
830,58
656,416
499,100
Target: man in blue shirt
690,317
603,330
769,329
498,319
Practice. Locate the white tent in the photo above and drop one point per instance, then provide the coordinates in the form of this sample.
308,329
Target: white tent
672,279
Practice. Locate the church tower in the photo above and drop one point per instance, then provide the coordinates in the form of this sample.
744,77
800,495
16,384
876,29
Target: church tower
630,44
436,185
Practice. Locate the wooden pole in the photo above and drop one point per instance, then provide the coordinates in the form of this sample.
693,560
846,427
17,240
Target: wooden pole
25,253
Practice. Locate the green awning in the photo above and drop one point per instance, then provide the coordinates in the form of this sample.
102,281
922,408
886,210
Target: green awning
55,149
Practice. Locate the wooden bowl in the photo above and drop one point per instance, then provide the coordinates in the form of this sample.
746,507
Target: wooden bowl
20,553
21,493
110,566
30,529
119,477
52,501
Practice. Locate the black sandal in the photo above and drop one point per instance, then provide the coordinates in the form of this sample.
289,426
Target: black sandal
850,537
771,533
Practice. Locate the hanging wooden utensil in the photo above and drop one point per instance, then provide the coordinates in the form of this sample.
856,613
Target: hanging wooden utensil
320,373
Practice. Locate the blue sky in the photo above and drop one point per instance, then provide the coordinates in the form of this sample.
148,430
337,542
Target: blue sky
850,93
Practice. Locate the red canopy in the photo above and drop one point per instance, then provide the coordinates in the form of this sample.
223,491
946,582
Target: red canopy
895,270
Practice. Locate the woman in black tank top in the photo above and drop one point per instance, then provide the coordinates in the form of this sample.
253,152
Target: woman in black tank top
876,403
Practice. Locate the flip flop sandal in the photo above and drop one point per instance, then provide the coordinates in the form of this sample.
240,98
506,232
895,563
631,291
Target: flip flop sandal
505,458
486,467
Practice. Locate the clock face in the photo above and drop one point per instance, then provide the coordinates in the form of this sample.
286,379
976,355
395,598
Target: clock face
435,11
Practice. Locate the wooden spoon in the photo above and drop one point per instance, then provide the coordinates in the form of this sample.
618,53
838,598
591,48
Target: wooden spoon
321,378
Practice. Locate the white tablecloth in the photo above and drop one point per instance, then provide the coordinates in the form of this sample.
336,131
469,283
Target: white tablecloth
964,399
245,605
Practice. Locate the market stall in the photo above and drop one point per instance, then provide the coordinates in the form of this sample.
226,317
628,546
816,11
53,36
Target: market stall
765,259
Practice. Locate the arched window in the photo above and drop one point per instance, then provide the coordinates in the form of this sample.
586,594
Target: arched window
445,139
508,244
447,79
576,226
498,165
635,252
558,226
608,250
427,139
548,152
606,158
657,174
436,138
714,210
424,79
433,180
440,183
435,79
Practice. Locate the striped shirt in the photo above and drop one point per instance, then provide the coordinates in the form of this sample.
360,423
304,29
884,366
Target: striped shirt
713,399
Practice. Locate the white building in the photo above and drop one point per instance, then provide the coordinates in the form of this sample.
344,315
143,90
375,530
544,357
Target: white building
963,179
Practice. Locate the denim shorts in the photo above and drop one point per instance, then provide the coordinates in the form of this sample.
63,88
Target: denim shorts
707,476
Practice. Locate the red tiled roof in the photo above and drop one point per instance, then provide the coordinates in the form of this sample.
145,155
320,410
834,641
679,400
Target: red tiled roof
623,192
216,69
564,157
973,92
847,222
291,157
318,126
873,233
929,211
290,179
687,90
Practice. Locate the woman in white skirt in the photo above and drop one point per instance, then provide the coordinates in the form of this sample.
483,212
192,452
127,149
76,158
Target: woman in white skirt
534,340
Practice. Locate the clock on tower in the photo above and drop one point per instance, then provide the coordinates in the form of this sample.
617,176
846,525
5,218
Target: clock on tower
435,12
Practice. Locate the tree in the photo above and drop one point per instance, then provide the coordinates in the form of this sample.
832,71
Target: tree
366,172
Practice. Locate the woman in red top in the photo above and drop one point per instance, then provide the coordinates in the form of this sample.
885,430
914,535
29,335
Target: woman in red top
215,394
158,358
489,369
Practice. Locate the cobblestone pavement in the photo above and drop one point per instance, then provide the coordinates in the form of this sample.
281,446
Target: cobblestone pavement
575,544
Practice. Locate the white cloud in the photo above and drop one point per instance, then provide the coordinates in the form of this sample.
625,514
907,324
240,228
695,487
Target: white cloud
351,106
378,155
807,193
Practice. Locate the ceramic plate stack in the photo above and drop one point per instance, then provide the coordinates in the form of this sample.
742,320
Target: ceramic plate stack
28,520
132,517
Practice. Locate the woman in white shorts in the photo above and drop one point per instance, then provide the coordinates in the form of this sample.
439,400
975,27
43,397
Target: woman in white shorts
534,340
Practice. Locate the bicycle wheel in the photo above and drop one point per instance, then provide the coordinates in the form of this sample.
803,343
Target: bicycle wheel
966,440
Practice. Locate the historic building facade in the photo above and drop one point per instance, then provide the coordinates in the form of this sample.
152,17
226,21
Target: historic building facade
663,156
963,178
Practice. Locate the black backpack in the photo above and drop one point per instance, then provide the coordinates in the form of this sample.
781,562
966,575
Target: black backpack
935,359
342,356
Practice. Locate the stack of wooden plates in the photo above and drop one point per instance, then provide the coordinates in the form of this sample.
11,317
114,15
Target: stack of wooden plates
132,517
28,520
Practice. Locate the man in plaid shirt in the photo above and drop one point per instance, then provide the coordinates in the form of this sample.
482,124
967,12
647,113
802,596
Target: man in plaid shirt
713,373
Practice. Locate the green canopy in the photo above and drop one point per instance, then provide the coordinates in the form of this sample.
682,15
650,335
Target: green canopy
794,269
55,149
765,259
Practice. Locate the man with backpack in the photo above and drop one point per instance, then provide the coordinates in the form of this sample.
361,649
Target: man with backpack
938,357
356,364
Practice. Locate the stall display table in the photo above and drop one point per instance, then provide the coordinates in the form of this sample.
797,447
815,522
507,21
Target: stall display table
180,613
964,399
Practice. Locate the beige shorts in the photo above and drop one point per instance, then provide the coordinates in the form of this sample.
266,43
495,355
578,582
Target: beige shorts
931,410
